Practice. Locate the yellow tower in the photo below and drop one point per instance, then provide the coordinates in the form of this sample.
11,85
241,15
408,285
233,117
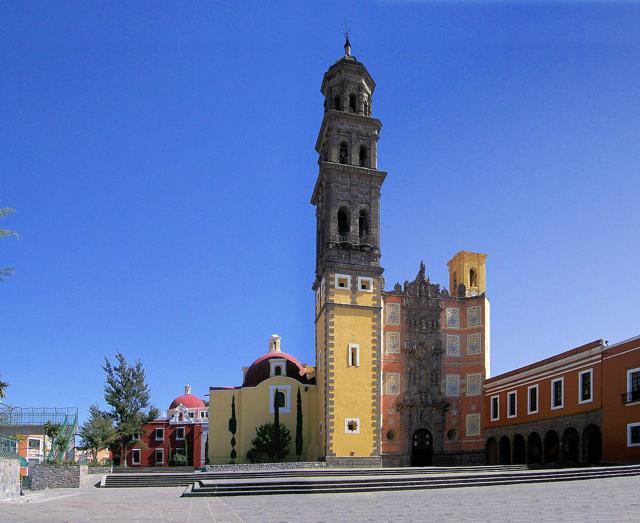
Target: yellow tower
468,268
348,281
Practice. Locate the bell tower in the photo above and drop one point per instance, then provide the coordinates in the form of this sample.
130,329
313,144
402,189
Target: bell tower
348,276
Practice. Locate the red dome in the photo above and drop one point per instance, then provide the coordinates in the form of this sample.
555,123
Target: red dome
260,369
188,400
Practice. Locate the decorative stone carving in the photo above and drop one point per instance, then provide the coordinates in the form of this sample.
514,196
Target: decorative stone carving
392,313
392,342
453,345
453,317
474,343
474,316
473,425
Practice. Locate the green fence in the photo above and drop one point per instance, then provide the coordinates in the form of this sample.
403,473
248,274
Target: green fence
8,448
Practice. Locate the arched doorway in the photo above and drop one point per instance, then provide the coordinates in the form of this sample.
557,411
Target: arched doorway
421,448
592,444
551,447
491,451
519,450
570,446
505,451
534,449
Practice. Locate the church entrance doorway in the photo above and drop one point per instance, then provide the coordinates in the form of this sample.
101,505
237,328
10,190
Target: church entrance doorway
421,448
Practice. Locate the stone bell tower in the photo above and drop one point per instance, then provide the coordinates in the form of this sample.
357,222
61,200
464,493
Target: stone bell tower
348,281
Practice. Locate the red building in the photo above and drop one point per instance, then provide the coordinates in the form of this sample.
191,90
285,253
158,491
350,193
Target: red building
579,407
183,431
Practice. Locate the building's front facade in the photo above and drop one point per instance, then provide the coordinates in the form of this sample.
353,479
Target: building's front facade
252,405
435,359
579,407
183,431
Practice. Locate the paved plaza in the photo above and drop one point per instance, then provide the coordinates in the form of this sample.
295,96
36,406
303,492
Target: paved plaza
612,499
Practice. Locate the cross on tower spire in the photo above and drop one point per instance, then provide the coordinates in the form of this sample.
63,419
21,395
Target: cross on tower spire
347,43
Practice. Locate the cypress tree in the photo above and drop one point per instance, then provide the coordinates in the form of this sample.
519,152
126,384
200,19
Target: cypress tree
232,428
298,425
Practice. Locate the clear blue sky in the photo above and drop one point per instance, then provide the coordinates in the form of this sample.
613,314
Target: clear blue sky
161,159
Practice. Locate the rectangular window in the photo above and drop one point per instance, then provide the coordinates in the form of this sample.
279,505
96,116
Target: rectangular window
557,393
34,444
180,433
633,385
159,456
159,434
633,435
533,399
512,404
353,355
135,437
365,284
343,281
585,385
495,408
135,457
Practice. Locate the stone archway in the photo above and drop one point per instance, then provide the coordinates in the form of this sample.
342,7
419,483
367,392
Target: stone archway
421,448
570,446
551,447
491,451
534,449
504,451
592,444
519,450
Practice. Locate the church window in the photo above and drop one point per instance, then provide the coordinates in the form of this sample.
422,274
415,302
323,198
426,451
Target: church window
180,433
353,355
363,226
473,278
337,103
280,399
343,223
282,395
363,156
353,102
365,284
343,281
278,371
191,414
352,425
344,153
159,434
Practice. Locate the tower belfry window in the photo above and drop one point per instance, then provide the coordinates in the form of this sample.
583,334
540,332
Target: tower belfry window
473,278
353,101
337,103
344,153
343,223
363,225
363,156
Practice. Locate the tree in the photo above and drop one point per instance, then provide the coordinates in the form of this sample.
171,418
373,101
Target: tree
6,271
4,385
233,425
97,432
128,395
299,425
270,444
51,431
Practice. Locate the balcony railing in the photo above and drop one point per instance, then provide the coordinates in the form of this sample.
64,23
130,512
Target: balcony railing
631,397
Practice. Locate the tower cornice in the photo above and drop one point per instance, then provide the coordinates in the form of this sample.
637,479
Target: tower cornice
332,117
327,167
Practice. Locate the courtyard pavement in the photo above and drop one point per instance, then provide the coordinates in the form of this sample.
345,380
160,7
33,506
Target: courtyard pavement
611,499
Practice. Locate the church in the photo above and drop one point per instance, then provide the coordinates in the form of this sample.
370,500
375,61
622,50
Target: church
399,373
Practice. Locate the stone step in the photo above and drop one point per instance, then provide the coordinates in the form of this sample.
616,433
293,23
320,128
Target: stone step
180,479
205,488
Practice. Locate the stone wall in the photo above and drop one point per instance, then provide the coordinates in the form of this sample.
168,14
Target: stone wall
354,462
45,475
9,478
99,470
241,467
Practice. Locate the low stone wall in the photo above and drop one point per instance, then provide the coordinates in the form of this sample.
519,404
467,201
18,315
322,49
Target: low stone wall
288,465
46,475
354,462
99,470
9,478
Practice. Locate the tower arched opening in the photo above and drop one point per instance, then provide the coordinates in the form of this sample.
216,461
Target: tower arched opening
363,225
353,103
534,448
343,224
344,152
363,156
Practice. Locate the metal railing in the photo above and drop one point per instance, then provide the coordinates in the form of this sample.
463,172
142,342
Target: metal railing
37,415
630,397
8,448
